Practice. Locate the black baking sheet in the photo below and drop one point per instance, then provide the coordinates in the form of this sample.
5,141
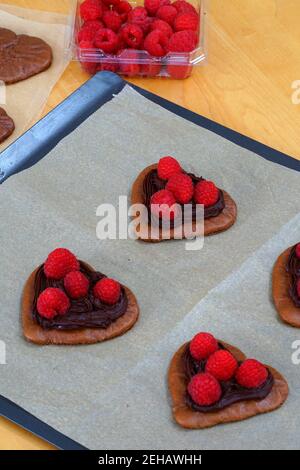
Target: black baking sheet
45,135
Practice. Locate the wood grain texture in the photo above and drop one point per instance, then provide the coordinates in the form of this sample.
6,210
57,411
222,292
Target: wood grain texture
253,59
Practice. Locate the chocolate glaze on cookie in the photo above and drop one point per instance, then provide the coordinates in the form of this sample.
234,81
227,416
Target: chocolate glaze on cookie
232,392
88,312
293,268
22,56
152,184
7,125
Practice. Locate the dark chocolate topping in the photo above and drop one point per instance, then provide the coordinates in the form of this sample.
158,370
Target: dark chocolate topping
88,312
293,268
152,184
22,56
232,392
7,125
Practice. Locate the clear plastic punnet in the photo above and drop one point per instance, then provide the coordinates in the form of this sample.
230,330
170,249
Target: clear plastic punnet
130,61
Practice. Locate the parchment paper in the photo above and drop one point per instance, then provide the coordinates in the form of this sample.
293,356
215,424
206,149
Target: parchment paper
113,395
25,100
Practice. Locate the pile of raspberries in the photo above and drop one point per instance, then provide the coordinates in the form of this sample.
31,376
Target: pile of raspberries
179,189
220,366
118,30
62,265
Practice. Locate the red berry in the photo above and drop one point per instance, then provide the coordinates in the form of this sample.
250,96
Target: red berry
156,43
88,31
181,185
106,40
132,35
182,41
111,3
128,64
52,302
152,6
204,389
206,193
163,204
151,68
76,284
202,346
108,291
179,72
167,167
184,7
298,250
123,8
112,20
251,374
167,13
59,263
221,364
91,10
108,65
163,26
139,16
185,21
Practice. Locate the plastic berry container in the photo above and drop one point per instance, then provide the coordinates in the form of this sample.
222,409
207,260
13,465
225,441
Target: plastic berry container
124,59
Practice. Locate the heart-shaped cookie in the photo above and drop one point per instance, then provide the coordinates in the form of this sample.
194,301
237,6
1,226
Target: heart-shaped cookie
284,287
22,56
221,220
86,319
7,125
188,417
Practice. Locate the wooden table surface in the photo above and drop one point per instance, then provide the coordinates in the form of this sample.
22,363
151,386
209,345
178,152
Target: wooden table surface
246,85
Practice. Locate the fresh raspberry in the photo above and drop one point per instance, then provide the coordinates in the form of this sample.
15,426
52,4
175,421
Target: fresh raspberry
167,13
52,302
251,374
163,205
184,7
186,21
298,250
156,43
128,63
86,45
204,389
167,167
151,69
59,263
165,2
206,193
139,16
111,3
90,10
132,35
88,31
112,20
106,40
108,291
152,6
76,284
181,185
163,26
203,345
123,8
221,364
108,65
182,41
179,72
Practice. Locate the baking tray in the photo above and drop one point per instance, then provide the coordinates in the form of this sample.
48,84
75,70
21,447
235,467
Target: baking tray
36,143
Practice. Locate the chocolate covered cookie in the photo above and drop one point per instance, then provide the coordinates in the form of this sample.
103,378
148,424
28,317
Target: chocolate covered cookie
212,382
286,285
65,301
22,56
7,125
166,184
